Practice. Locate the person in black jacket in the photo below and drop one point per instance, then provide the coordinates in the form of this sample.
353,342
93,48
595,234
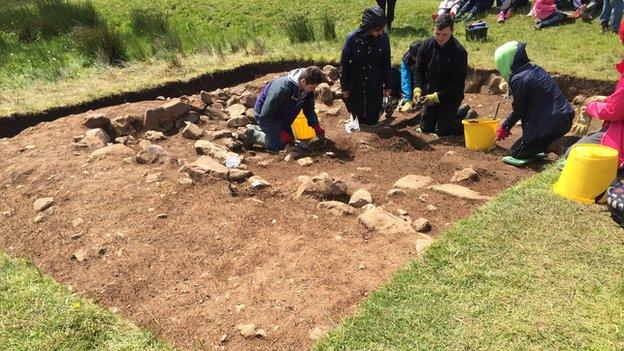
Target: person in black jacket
365,67
388,7
442,66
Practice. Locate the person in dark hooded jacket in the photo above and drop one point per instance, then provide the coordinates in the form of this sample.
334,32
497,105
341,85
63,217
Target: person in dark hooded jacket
538,103
442,66
365,67
278,105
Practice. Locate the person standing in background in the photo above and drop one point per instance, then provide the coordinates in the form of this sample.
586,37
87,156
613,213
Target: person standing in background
388,7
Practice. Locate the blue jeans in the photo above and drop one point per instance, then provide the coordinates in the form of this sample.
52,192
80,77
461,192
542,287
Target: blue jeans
611,15
553,19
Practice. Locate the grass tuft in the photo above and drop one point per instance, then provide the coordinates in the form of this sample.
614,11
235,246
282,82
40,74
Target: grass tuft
299,29
328,27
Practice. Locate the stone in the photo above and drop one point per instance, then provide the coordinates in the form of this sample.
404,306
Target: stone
231,101
185,181
161,216
248,100
257,182
336,208
192,131
95,139
77,222
237,121
459,191
205,147
402,212
236,110
231,144
306,161
331,72
126,125
368,207
384,223
143,144
247,330
96,120
158,119
206,98
360,198
215,113
154,177
196,104
579,100
115,150
191,117
423,241
464,175
205,166
261,333
431,208
39,218
219,134
395,193
473,84
413,182
334,111
177,108
423,197
126,140
154,136
154,154
492,85
43,203
79,255
421,225
239,175
325,94
265,163
322,186
161,98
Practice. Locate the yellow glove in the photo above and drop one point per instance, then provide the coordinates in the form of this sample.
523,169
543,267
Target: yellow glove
417,94
407,106
581,124
430,100
596,98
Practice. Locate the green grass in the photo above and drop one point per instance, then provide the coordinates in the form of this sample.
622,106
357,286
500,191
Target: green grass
204,35
37,313
528,271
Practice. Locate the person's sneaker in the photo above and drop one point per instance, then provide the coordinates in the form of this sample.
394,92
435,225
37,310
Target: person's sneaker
604,26
508,14
250,138
501,17
537,26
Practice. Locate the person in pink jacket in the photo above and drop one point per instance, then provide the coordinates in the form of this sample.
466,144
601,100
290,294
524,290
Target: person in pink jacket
611,111
547,14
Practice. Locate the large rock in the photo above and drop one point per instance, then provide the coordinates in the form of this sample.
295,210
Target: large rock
192,131
177,108
207,166
473,83
421,225
205,147
331,72
380,221
94,139
325,94
205,98
236,110
360,198
465,174
126,125
216,113
96,120
158,119
237,121
220,134
154,136
322,186
154,154
42,204
493,85
115,150
459,191
337,208
248,99
196,104
231,144
413,182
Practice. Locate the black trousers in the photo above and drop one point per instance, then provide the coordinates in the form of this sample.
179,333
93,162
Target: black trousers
442,119
389,10
513,4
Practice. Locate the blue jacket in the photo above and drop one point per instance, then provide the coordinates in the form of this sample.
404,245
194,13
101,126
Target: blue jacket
408,69
537,101
281,100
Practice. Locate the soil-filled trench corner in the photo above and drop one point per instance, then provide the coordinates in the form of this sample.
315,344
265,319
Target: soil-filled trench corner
195,261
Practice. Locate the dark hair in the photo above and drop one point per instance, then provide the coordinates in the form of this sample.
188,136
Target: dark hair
313,75
444,21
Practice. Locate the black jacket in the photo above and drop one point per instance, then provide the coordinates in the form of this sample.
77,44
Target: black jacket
442,70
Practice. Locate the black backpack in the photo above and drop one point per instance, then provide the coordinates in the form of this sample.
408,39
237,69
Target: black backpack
615,201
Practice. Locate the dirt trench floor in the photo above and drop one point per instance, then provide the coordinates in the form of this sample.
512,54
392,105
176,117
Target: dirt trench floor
217,261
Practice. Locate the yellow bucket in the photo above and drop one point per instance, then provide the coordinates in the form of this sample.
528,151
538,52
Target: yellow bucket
301,129
589,170
480,133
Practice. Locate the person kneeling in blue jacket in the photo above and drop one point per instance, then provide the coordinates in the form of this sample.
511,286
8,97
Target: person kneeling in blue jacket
278,105
538,103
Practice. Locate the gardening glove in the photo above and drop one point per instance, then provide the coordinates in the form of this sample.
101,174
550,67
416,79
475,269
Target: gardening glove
406,106
502,133
579,128
320,132
417,94
595,98
430,100
286,138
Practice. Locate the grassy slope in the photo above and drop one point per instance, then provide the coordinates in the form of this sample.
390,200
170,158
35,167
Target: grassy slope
563,49
37,313
529,271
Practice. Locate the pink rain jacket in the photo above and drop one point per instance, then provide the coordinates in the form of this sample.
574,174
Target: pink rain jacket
544,8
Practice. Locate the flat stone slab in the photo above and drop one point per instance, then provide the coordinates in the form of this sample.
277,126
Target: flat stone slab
459,191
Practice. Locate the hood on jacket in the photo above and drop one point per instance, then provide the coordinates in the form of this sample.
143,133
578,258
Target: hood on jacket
410,56
510,57
293,76
372,17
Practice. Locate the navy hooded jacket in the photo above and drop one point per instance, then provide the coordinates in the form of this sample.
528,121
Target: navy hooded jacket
537,101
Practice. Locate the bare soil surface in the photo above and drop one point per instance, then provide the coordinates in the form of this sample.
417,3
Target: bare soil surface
193,262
